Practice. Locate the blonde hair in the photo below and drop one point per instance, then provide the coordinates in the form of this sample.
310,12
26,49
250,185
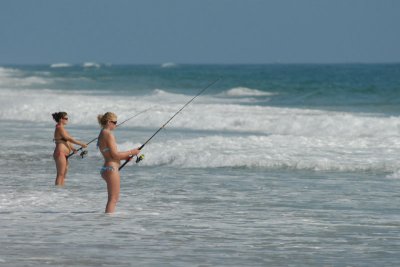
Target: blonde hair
108,116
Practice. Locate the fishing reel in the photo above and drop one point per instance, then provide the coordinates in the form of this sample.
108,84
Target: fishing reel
83,153
139,158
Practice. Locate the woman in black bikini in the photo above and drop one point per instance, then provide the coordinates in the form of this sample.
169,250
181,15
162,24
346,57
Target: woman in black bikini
112,157
64,146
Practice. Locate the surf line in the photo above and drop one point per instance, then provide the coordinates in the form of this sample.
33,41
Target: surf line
139,158
84,152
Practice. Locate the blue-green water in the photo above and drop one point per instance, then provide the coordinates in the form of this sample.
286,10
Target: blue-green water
274,165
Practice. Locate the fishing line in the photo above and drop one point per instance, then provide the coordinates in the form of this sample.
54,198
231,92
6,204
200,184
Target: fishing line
141,157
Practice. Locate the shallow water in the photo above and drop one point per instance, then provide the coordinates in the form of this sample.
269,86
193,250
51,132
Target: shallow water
215,217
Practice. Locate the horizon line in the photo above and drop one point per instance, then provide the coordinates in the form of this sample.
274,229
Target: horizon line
98,63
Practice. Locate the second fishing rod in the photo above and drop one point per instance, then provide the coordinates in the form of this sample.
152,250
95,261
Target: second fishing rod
84,152
140,157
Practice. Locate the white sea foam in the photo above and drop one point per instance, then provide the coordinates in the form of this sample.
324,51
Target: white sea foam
273,152
60,65
5,77
168,65
91,65
233,135
244,91
36,105
13,78
5,72
394,174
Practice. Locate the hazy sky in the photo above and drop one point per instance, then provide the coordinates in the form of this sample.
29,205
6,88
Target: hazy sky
199,31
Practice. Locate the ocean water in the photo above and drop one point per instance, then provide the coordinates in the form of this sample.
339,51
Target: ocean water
274,165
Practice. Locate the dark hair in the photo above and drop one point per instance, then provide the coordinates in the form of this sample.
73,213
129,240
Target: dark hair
59,115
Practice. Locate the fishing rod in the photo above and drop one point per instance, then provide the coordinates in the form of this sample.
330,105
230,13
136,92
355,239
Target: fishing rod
84,152
139,158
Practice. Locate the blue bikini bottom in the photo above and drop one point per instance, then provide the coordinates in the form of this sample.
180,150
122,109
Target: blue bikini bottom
106,168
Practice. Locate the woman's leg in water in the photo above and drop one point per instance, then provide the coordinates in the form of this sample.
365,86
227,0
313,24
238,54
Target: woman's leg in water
113,187
62,168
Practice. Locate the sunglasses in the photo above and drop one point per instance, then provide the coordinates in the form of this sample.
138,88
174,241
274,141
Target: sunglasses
65,119
115,122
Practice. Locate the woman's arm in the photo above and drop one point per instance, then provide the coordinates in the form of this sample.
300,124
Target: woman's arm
71,147
115,154
64,134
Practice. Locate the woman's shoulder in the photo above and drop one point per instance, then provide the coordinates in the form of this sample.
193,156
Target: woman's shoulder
106,133
59,129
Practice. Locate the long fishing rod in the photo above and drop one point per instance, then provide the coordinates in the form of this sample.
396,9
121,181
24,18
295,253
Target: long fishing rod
84,152
139,158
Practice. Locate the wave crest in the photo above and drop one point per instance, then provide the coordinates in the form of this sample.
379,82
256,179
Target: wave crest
13,78
168,65
91,65
267,152
244,91
60,65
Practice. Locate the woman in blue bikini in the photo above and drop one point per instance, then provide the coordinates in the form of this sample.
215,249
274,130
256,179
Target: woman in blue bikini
112,157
